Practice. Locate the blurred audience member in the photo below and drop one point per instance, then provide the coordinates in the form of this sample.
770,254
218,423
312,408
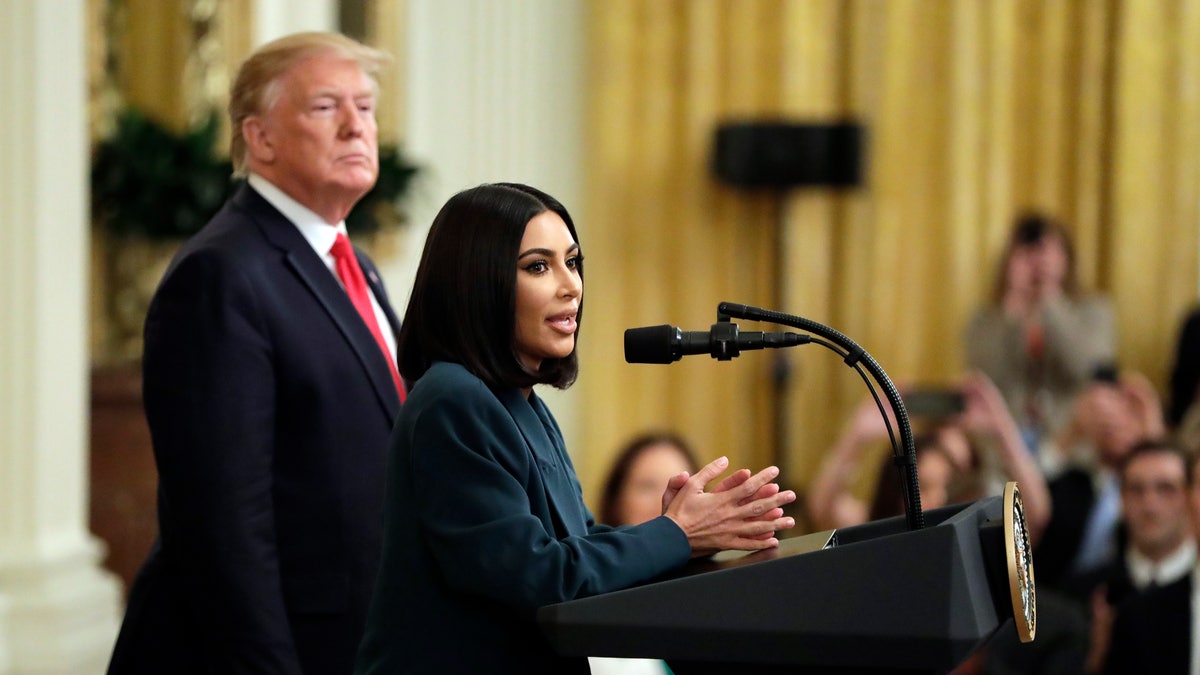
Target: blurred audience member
965,456
634,488
1108,419
1183,414
952,461
633,493
1159,548
1041,337
1155,631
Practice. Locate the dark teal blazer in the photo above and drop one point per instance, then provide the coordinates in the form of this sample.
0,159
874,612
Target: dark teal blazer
485,523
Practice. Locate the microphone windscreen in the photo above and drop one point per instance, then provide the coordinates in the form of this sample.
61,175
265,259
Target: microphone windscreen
651,344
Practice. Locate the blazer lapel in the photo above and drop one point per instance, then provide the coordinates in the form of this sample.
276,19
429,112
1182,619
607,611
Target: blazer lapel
311,270
565,513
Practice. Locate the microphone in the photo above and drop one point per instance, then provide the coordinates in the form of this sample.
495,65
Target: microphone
667,344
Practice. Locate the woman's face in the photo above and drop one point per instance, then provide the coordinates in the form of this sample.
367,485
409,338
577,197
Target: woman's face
549,289
1052,261
1021,274
640,498
1041,264
934,473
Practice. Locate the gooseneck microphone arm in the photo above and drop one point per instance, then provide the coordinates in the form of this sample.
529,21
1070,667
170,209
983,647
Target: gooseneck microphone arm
853,355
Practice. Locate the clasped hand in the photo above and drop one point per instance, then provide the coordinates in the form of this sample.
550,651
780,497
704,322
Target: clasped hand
741,513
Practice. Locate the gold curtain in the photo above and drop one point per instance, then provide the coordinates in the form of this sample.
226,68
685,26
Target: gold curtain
973,110
163,65
664,244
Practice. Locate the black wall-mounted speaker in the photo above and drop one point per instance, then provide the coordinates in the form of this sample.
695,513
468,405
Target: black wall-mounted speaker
782,154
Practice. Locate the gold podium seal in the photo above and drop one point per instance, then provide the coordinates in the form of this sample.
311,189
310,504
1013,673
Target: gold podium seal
1020,564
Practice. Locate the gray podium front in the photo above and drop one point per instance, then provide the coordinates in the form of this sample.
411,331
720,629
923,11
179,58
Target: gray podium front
871,598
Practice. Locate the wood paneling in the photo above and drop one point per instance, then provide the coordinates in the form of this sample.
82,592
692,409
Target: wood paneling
124,481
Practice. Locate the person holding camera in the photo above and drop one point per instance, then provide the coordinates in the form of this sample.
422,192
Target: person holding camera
1111,416
969,447
1041,337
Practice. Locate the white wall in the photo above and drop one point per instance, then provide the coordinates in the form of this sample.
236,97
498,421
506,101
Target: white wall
276,18
58,609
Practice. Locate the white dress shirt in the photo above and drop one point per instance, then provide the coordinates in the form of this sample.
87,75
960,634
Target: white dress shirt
1143,571
604,665
320,235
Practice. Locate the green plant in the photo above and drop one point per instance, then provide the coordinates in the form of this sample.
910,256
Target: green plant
395,178
149,181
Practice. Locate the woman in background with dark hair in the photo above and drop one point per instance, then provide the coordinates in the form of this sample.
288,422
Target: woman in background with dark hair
485,520
632,495
633,488
962,455
1041,338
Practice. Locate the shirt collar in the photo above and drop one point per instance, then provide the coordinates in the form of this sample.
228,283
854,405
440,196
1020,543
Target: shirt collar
1142,570
319,234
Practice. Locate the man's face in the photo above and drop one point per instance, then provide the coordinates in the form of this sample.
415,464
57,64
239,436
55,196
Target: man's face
318,138
1154,501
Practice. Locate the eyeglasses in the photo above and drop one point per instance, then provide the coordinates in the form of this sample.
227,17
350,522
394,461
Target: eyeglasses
1162,488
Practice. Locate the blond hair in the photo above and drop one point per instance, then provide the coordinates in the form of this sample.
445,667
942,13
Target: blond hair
257,85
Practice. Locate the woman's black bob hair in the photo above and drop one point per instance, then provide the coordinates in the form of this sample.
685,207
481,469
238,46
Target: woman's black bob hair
464,299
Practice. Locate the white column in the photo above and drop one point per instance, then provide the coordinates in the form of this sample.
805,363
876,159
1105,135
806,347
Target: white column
62,610
276,18
494,93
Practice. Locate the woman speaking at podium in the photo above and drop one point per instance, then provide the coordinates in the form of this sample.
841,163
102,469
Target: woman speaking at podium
485,519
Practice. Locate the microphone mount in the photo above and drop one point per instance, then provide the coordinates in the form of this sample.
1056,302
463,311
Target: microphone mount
856,357
723,341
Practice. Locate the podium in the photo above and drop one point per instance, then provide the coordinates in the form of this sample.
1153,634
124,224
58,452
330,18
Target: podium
872,598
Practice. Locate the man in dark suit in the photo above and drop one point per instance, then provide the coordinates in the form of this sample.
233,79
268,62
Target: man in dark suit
1157,548
271,389
1154,631
1156,542
1108,419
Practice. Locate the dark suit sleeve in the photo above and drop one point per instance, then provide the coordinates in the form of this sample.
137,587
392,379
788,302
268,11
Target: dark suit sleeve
1152,632
1185,374
1128,648
474,504
1122,653
210,403
1071,498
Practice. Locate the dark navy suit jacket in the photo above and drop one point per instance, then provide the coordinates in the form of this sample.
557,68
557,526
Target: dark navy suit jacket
1153,632
485,523
270,406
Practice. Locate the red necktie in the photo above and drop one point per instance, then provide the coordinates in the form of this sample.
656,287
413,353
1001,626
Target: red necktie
356,287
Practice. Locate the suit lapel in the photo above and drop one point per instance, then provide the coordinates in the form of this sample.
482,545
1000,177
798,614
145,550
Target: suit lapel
565,513
373,280
313,273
